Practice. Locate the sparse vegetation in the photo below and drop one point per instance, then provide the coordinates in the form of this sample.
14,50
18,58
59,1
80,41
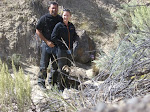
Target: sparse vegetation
130,61
15,90
16,58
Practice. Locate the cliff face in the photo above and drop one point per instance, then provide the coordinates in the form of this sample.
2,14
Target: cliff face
18,20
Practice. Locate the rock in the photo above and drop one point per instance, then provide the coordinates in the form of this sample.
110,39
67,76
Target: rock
137,104
89,73
85,51
85,110
90,84
100,107
76,72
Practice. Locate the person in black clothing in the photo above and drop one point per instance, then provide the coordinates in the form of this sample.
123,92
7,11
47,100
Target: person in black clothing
64,35
44,29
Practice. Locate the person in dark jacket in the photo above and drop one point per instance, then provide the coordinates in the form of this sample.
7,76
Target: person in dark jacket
64,35
44,29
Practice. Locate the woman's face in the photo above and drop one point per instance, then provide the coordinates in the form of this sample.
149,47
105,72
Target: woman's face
66,16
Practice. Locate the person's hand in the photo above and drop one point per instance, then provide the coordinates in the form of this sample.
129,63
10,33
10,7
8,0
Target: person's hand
50,44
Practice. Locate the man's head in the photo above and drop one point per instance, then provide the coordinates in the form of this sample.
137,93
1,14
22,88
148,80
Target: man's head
53,8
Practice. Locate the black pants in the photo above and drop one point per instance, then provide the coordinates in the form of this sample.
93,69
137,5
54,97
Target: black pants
44,63
63,81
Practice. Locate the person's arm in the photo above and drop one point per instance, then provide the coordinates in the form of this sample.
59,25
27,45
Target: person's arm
55,34
39,27
49,43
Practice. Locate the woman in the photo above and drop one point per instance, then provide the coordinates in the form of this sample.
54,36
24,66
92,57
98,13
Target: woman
63,36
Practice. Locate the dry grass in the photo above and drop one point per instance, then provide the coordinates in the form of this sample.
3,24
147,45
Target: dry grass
15,90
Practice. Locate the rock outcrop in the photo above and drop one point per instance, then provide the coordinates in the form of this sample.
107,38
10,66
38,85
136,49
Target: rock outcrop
85,51
137,104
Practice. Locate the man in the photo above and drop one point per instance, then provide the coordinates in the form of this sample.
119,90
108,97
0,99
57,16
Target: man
44,29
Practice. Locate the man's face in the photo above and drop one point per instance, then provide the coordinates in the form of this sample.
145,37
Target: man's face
53,9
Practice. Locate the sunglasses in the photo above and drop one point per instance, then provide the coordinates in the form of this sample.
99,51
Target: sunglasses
68,10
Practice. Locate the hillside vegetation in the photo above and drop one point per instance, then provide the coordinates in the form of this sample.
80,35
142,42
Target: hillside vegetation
121,30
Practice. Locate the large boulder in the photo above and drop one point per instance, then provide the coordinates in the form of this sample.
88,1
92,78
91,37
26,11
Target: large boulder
85,50
136,104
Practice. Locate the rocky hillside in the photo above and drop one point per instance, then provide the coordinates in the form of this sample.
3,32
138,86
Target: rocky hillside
18,20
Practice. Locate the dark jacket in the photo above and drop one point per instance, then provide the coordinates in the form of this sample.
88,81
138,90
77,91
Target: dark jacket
63,35
47,23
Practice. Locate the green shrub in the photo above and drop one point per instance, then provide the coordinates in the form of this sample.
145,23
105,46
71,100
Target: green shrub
15,90
133,32
16,60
